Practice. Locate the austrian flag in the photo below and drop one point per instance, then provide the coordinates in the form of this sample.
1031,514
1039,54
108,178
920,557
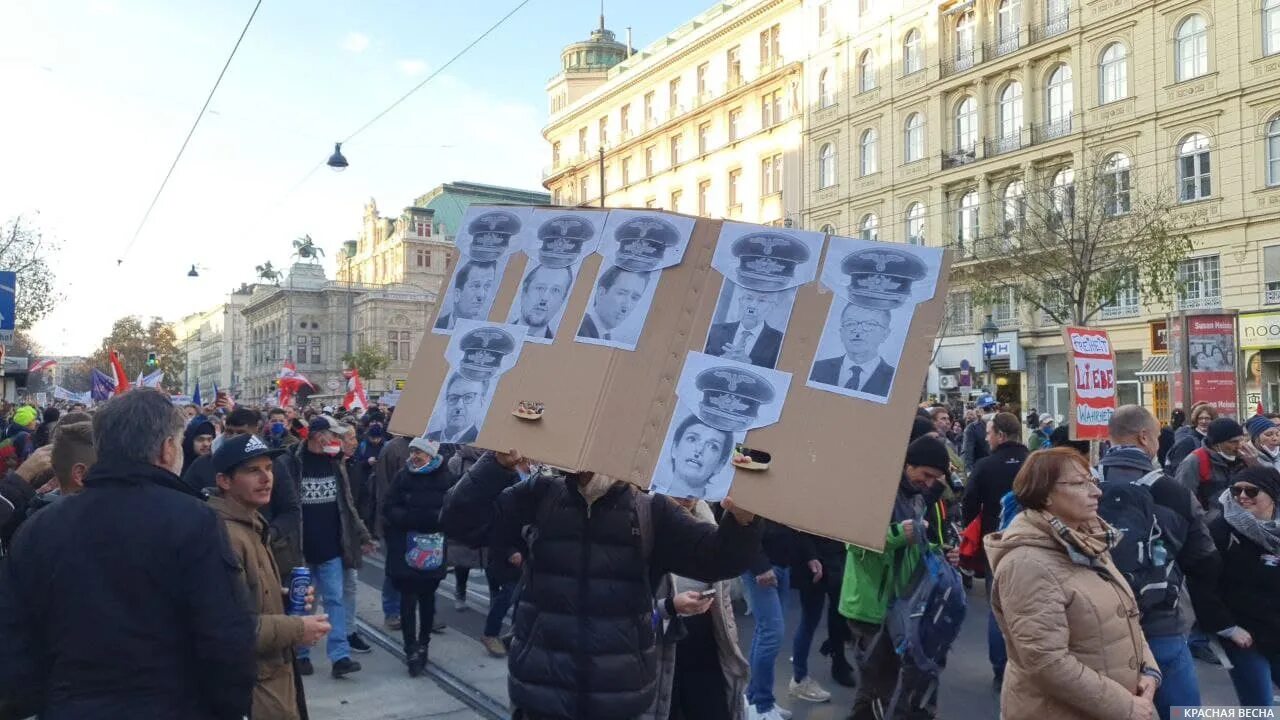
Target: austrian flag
355,397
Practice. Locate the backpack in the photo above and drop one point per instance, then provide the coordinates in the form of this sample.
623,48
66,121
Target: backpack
1146,552
1206,465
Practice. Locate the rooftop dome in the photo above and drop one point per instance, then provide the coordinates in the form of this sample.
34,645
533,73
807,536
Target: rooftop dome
597,53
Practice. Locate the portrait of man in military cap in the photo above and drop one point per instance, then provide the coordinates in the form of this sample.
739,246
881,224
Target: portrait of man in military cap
478,354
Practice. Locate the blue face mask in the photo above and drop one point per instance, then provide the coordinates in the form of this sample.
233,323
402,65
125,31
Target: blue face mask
432,464
277,428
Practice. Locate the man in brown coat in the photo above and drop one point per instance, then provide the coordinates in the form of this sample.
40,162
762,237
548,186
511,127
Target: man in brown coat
244,477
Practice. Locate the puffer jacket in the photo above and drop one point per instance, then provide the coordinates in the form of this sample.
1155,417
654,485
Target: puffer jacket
1076,649
413,504
584,646
276,694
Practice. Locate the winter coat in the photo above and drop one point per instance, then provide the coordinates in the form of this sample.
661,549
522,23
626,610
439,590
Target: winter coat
133,597
354,533
413,504
15,495
198,425
1249,586
584,643
391,458
989,480
275,696
1267,458
780,546
1207,492
1166,444
975,446
1076,649
361,477
1185,439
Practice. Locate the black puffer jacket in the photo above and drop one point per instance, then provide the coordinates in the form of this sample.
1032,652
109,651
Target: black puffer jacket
1249,585
989,481
413,504
584,633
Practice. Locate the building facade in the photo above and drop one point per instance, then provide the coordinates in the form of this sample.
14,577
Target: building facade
212,342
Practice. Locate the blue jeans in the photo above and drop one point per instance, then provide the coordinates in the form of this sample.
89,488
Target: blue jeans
767,604
1179,686
500,597
390,599
996,651
812,597
329,578
1254,674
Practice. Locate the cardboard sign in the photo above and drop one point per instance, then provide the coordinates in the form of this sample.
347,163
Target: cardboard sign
837,460
1093,381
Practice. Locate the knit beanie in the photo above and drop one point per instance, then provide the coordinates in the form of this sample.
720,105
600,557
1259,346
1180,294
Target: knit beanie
1257,425
1222,430
929,452
1265,477
920,428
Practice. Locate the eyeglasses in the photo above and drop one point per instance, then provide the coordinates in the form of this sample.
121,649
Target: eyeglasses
1084,481
466,399
1247,490
864,326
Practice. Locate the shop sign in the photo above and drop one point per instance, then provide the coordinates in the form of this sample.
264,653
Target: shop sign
1092,361
1159,336
1259,330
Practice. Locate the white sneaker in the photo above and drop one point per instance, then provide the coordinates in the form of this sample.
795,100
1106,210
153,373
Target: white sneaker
774,714
460,603
809,690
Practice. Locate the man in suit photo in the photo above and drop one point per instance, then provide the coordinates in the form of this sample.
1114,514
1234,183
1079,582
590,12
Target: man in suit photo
542,294
862,331
750,339
472,293
617,293
464,399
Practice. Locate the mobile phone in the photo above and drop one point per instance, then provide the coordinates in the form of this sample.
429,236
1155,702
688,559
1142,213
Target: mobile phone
708,593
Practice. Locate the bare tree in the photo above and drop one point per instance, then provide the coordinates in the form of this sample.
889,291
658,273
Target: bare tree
25,250
1077,240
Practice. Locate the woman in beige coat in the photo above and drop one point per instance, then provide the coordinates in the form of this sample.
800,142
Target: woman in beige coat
1076,650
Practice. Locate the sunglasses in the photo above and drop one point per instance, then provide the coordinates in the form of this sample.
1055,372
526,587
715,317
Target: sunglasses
1250,492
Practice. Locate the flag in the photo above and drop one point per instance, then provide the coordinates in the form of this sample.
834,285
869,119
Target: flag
290,381
42,365
102,386
120,379
355,397
153,380
195,396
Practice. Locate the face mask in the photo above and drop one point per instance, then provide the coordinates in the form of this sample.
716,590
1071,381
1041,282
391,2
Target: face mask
277,428
1228,458
430,465
332,448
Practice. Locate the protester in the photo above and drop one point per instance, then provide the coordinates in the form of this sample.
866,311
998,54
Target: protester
975,433
1191,436
277,430
1039,438
1069,620
69,457
1248,537
1207,470
197,440
18,492
362,498
44,433
1265,436
391,458
602,608
122,601
244,476
1167,433
817,574
18,435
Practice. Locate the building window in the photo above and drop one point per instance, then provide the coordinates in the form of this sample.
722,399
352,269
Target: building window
966,125
825,98
584,184
1008,22
965,29
735,124
555,154
912,53
626,171
398,345
1061,99
1271,27
649,154
771,175
771,46
649,117
867,71
1010,111
868,152
704,197
624,120
1014,208
1115,184
582,141
423,258
603,131
967,225
302,349
824,17
675,150
704,138
1192,48
701,76
651,203
1273,150
1271,273
733,63
1062,194
1113,74
826,165
869,228
1193,168
315,350
863,6
735,192
673,96
422,228
675,200
556,197
1125,303
1004,311
914,138
1198,280
771,108
959,312
915,223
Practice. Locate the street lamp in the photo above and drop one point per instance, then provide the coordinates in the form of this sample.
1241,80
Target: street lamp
989,334
336,160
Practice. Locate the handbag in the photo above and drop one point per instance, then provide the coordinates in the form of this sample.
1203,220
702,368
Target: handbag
424,551
971,554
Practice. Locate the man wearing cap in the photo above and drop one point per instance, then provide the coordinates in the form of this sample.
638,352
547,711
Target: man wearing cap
750,339
542,294
333,536
463,400
243,473
862,331
1208,470
472,289
618,292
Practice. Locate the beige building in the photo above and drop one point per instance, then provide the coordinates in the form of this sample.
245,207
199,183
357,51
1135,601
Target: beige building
211,342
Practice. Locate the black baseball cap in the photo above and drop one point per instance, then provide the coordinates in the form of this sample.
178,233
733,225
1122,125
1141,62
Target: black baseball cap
239,450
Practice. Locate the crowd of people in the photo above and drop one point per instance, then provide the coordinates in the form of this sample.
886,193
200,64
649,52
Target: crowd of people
149,548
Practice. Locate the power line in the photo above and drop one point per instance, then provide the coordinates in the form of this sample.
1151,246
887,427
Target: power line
191,132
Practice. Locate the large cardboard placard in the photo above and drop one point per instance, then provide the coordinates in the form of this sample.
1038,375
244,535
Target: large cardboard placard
836,460
1092,360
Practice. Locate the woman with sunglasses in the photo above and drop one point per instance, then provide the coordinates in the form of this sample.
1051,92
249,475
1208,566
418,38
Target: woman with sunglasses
1248,538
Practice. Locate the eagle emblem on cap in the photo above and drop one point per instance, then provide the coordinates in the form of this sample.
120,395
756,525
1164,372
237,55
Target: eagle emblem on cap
768,242
564,226
768,266
482,357
734,379
878,283
883,259
559,245
727,403
645,226
487,336
493,221
639,247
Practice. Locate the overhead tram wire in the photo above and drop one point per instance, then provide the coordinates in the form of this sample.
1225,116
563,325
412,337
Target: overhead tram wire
190,133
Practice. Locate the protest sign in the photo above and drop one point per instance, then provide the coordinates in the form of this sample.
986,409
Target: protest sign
1092,364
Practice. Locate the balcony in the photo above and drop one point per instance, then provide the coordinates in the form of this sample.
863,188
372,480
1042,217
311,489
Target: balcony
770,64
703,98
675,111
958,157
1200,302
1009,41
734,82
1052,27
1121,310
1003,145
962,61
1045,132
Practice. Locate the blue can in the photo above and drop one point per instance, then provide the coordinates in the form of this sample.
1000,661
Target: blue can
299,584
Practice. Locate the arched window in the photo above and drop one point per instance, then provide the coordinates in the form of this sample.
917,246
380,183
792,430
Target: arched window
966,124
1191,48
967,221
825,97
869,228
1062,193
867,71
1113,74
914,138
1011,111
915,223
1271,27
1009,25
1115,184
966,26
827,165
1273,151
913,53
869,151
1194,178
1014,207
1061,101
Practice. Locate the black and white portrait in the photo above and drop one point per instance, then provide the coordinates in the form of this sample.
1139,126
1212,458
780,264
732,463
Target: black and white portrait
877,286
643,241
491,233
556,249
765,258
694,461
478,354
539,305
471,292
460,409
618,306
749,325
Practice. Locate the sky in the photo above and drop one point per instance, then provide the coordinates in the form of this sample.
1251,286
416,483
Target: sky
99,94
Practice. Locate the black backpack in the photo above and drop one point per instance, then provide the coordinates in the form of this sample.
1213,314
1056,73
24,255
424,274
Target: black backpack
1147,552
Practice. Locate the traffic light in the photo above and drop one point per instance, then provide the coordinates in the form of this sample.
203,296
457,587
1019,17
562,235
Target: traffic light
152,361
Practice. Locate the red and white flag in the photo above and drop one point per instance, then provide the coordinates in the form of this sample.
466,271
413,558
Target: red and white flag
122,380
355,397
290,381
42,365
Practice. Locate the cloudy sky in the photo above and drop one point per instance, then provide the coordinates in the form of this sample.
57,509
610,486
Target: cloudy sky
99,94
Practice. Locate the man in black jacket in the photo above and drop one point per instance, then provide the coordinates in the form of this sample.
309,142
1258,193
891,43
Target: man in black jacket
124,600
974,446
590,576
1184,540
989,481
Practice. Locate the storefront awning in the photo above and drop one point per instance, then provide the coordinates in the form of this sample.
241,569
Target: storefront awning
1154,368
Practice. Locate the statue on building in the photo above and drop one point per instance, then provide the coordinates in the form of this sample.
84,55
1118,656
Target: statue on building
268,273
304,248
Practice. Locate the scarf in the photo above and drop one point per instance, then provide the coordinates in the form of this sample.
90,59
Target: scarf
1264,533
1088,547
